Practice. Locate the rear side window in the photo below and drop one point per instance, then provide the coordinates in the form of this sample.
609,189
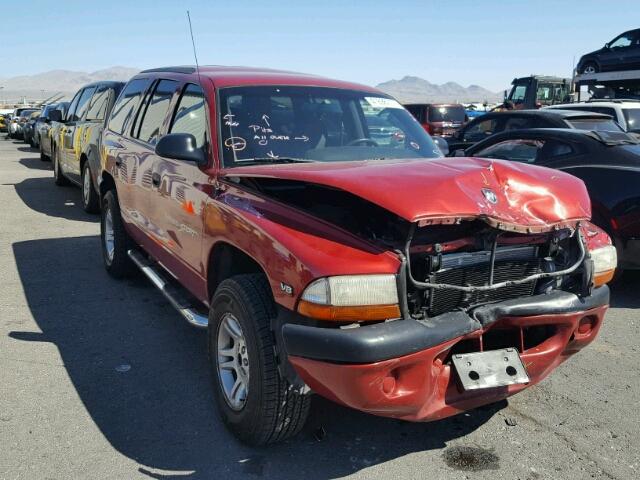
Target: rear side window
98,105
156,110
190,114
595,124
127,104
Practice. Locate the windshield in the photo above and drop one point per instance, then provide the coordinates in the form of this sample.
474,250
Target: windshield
447,113
595,124
632,117
290,123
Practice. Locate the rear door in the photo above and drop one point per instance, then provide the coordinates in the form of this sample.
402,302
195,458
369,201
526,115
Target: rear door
178,197
71,137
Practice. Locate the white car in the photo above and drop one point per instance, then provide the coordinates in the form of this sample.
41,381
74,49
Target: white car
625,112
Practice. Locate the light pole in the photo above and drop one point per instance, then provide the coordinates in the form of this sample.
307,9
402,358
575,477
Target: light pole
1,95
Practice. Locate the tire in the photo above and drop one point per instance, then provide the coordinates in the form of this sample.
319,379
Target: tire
90,200
116,260
590,68
43,157
272,410
58,176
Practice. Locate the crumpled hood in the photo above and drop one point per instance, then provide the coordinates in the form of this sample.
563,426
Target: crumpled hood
527,198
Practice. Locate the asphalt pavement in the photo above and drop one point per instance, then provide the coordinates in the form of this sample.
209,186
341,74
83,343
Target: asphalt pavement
101,379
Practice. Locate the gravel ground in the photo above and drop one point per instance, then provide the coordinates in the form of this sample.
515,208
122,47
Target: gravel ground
102,379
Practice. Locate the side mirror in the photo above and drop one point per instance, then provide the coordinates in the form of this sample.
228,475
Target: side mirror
442,145
180,146
505,96
607,46
55,116
459,153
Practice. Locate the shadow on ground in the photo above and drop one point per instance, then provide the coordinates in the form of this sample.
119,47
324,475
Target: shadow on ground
142,375
36,164
624,291
42,195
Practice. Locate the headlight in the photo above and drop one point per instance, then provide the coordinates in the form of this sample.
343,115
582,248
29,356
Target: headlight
351,298
605,260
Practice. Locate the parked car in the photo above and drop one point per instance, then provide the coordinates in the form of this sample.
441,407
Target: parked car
28,128
46,128
439,118
18,119
4,121
75,150
42,119
321,261
621,53
496,122
625,112
608,163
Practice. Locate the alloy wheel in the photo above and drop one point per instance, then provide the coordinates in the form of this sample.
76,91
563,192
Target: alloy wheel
109,235
86,186
232,362
590,69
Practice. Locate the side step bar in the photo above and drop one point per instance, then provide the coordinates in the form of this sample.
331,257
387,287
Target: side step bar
177,298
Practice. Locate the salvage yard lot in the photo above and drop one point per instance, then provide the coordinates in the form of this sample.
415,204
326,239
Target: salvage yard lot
103,379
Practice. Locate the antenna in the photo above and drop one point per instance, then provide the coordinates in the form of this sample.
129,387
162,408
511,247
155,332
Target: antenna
195,55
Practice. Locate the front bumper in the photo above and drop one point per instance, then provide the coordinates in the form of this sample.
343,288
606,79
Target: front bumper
402,368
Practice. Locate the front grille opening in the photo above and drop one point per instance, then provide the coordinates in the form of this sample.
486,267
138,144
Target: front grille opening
497,338
442,301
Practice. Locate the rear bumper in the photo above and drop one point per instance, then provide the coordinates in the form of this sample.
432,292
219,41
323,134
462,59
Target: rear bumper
402,369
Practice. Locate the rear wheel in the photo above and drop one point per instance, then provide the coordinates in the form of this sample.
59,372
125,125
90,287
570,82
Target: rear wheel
90,201
255,402
114,239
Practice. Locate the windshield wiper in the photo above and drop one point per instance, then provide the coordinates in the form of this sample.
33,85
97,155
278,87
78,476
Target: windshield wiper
246,161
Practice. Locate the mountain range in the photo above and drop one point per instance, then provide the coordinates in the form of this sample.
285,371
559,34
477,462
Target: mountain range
417,90
408,89
42,85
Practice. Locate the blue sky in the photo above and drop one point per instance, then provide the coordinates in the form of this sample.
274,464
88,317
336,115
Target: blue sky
481,42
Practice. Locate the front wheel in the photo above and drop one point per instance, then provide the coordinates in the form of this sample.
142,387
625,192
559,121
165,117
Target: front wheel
90,201
590,68
58,176
114,239
255,402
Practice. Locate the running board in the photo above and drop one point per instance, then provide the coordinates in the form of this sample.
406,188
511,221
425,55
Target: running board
176,297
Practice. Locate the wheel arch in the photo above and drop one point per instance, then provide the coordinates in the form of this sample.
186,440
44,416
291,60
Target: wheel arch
226,260
106,183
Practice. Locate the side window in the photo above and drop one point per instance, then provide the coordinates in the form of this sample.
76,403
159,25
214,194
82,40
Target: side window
518,123
623,41
127,104
555,149
98,104
83,103
73,105
518,93
155,111
516,150
480,130
190,114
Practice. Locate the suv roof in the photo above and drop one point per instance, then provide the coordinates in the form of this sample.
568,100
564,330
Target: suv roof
225,76
551,112
601,103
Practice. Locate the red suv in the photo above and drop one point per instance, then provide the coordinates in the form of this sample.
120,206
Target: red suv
439,118
313,228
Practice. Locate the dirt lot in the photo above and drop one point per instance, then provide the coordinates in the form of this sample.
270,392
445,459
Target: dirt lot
101,379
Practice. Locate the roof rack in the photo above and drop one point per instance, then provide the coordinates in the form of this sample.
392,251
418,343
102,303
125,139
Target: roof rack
613,100
180,69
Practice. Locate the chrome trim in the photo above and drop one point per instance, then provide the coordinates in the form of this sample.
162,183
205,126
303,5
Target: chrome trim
190,314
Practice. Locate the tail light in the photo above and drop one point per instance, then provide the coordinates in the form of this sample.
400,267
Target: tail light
427,128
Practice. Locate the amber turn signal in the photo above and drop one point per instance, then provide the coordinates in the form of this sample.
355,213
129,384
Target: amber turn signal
602,278
359,313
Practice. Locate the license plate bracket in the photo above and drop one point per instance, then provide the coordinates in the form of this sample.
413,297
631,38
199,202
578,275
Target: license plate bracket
495,368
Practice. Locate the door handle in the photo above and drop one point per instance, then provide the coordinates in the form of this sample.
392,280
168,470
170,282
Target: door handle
155,179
